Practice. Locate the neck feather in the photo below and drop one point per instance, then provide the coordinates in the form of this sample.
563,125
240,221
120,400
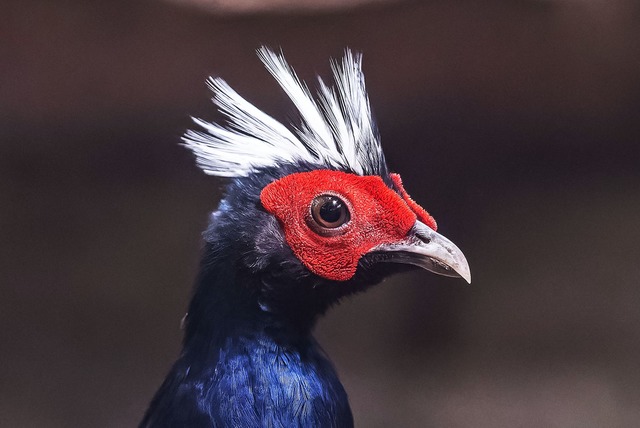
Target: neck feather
229,301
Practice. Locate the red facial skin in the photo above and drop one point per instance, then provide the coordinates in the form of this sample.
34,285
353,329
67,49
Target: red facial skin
422,214
378,216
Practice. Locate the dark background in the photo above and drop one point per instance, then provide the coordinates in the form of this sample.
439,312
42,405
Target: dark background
515,123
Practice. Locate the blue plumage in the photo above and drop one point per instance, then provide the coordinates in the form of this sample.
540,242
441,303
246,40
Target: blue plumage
254,382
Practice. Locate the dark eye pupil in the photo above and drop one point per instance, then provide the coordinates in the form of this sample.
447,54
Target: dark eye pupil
328,214
331,210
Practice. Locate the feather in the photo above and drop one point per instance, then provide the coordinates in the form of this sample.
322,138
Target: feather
335,131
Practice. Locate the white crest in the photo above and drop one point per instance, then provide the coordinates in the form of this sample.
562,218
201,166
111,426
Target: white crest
336,131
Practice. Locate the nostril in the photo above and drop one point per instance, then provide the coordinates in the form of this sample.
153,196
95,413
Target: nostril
423,237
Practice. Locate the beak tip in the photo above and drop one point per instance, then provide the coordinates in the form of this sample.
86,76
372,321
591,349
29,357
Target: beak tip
465,274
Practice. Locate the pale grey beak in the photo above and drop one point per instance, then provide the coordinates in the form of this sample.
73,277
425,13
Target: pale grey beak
427,249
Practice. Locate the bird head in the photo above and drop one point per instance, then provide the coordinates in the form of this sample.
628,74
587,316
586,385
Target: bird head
313,210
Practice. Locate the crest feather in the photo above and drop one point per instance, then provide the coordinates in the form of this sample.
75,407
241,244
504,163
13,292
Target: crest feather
337,131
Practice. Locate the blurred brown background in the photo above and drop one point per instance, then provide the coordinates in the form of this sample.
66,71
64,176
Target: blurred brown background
516,123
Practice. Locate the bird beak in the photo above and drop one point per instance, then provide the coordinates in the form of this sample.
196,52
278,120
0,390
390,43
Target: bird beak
425,248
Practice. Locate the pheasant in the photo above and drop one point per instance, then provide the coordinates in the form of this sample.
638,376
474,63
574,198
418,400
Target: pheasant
311,214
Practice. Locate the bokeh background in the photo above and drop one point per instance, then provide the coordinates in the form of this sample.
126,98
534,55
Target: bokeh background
516,123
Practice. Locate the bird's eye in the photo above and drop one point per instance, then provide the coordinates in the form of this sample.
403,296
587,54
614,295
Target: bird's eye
329,212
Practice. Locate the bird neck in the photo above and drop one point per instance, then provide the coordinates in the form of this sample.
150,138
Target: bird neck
230,302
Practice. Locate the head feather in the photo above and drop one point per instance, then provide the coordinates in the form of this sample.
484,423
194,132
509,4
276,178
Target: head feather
335,131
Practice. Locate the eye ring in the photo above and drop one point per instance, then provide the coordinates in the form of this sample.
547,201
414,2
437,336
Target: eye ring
329,214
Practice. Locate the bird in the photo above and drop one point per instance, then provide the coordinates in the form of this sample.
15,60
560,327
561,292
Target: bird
310,214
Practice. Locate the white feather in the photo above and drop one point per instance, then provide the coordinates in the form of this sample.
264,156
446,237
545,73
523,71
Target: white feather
337,132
